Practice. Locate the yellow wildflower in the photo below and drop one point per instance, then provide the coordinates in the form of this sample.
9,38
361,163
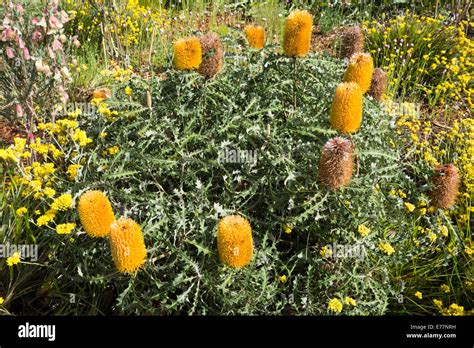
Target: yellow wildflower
81,137
113,150
410,207
454,310
363,230
72,171
46,218
63,202
350,301
21,211
14,259
49,192
335,305
445,288
288,228
432,237
401,194
325,252
386,248
65,228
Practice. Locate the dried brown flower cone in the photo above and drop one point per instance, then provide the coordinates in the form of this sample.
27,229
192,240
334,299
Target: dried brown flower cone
352,41
212,56
446,183
336,163
378,85
8,131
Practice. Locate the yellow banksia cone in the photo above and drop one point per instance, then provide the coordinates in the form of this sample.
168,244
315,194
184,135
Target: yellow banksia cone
378,85
297,34
212,56
187,53
95,213
128,245
336,163
360,70
346,108
352,41
255,35
446,183
234,241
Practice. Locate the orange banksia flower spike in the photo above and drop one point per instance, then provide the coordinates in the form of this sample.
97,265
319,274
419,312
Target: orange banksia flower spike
346,108
128,245
234,241
95,213
360,70
255,35
187,53
297,34
336,163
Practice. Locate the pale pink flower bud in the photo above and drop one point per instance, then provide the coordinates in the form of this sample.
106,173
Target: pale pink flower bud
55,23
19,110
42,22
57,45
26,54
37,35
10,53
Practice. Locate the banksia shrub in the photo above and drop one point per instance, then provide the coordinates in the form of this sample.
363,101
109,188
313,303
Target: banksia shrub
360,69
346,109
445,186
297,34
212,59
255,35
336,163
187,53
234,241
378,85
95,213
128,245
352,41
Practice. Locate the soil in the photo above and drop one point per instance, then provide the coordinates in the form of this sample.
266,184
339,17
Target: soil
325,42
